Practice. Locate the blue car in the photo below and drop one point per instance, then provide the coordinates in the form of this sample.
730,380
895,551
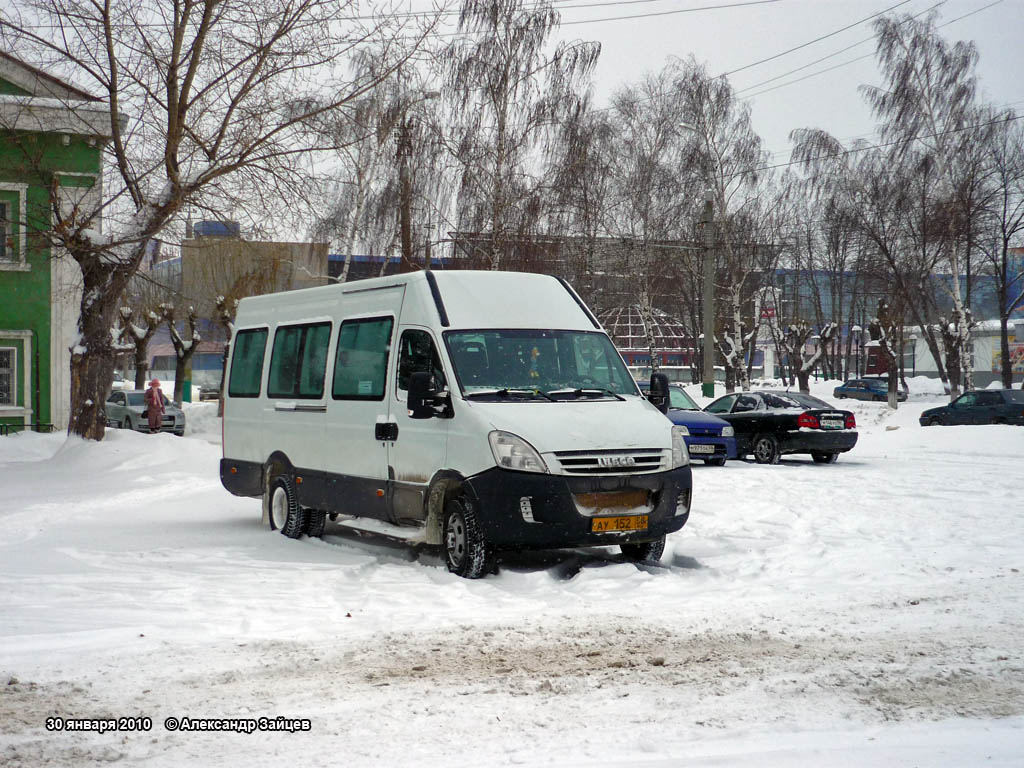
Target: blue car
868,388
708,437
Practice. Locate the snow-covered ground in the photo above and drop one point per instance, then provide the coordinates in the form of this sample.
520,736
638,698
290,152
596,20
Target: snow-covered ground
863,613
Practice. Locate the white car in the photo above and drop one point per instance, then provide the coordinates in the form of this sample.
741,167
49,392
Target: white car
126,409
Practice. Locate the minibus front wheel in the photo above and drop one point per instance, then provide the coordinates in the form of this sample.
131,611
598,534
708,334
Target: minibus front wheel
649,550
467,553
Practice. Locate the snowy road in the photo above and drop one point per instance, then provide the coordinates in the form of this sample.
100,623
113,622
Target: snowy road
862,613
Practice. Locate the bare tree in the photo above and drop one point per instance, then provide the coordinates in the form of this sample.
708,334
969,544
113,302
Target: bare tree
885,329
185,345
1003,224
137,337
197,93
724,155
227,309
795,340
507,92
927,106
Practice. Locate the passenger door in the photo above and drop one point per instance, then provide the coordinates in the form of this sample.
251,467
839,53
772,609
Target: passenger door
355,449
962,410
295,389
420,447
987,409
748,415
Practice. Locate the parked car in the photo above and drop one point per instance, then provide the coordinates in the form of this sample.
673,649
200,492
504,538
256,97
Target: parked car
987,406
867,389
770,424
707,437
125,409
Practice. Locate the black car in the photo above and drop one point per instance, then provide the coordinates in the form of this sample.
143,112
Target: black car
986,406
770,424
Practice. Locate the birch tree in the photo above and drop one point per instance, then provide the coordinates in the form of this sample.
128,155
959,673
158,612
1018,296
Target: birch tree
724,154
927,104
198,93
508,88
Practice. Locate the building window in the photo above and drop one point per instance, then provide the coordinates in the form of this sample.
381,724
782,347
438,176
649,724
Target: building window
7,376
6,251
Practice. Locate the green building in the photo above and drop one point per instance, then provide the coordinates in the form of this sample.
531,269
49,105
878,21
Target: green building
51,138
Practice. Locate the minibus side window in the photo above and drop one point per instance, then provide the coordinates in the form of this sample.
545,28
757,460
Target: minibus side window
314,361
247,363
298,361
417,354
361,362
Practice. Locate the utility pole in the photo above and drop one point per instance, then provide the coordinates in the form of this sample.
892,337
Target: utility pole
708,220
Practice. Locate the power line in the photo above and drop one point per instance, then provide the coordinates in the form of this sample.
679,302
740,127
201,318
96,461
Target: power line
671,13
845,63
817,39
881,145
448,13
829,56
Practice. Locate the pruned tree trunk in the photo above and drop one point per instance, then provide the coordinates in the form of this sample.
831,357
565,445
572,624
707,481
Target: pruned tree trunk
183,348
137,338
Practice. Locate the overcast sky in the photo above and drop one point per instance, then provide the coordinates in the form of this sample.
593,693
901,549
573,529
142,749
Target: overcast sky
727,39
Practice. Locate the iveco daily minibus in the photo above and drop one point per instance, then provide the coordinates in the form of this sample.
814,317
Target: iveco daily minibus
481,411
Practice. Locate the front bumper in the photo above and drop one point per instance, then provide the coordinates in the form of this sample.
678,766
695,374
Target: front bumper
555,520
170,423
725,447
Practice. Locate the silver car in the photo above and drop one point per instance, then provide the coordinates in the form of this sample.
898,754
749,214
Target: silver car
125,410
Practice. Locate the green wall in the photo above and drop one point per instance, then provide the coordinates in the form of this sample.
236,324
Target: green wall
35,159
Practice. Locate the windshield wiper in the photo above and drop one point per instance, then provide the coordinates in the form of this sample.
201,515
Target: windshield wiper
586,391
507,392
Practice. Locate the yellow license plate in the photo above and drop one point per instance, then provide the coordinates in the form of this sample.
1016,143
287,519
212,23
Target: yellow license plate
623,523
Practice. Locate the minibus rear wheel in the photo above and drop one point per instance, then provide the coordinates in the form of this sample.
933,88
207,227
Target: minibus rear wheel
285,513
315,522
465,550
649,550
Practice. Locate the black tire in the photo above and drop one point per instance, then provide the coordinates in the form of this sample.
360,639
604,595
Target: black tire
765,449
825,458
285,513
717,462
315,522
648,551
465,550
126,423
879,399
934,422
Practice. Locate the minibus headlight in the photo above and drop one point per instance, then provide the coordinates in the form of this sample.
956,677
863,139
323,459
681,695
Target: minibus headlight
728,432
512,452
680,456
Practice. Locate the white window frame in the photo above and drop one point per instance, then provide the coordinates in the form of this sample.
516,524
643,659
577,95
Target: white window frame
14,261
25,388
13,370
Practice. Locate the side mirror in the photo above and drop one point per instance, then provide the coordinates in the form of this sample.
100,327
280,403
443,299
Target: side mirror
424,402
658,394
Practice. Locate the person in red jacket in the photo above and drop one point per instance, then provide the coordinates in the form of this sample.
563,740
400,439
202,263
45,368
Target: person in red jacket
154,405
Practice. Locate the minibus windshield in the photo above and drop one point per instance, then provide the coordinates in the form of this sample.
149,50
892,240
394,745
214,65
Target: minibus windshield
556,365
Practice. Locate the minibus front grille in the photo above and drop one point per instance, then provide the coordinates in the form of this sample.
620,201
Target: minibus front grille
617,462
